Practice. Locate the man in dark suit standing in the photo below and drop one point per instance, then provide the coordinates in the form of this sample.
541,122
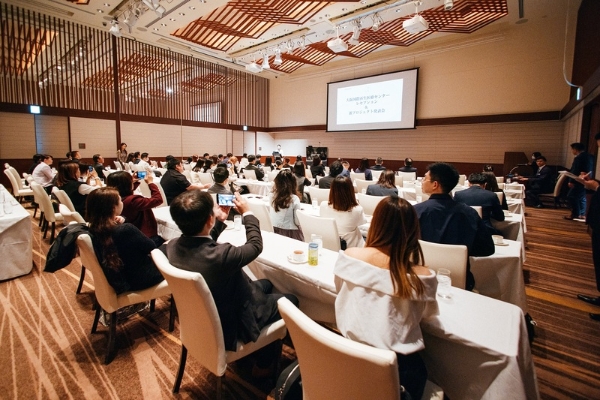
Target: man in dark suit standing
593,221
476,195
582,164
540,182
244,306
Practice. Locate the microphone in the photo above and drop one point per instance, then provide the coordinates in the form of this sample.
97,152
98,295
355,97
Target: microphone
515,167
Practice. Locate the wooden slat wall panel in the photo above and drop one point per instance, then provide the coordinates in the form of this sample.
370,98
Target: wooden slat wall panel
17,138
99,136
204,140
52,135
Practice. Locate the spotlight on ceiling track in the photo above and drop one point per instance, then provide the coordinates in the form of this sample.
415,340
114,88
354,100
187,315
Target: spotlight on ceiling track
448,4
377,21
253,67
265,63
278,60
114,28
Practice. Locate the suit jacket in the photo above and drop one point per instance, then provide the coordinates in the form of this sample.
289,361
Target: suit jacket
377,167
243,309
582,162
325,183
258,171
378,190
593,215
542,181
490,205
446,221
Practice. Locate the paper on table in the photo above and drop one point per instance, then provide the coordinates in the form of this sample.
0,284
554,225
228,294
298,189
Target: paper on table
570,175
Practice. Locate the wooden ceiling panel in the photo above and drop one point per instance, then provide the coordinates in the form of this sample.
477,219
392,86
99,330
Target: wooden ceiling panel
25,43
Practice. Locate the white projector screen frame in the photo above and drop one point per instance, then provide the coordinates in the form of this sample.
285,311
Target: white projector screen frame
379,102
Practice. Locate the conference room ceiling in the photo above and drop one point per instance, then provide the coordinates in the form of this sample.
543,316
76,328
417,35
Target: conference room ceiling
240,32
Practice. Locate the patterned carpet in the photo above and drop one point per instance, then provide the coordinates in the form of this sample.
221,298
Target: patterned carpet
48,352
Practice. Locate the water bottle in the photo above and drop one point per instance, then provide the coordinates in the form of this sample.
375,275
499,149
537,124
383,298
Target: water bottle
313,254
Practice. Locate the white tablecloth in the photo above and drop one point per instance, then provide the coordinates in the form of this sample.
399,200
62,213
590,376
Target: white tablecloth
15,240
516,206
513,228
500,275
477,347
514,191
256,187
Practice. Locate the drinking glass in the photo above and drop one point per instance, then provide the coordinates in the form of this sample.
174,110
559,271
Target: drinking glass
237,222
318,239
444,283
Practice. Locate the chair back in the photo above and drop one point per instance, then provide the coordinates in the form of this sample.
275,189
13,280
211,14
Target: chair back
187,167
308,174
362,185
45,203
127,166
63,198
262,212
70,216
500,196
144,189
318,194
326,227
162,194
118,165
558,186
105,294
195,177
205,178
461,179
13,182
272,174
368,203
501,186
250,174
450,256
199,323
355,175
367,373
479,210
187,174
376,174
17,177
163,164
500,179
399,180
408,176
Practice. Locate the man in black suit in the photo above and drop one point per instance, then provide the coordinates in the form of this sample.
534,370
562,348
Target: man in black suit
593,221
539,183
378,165
335,169
244,306
476,195
408,166
582,164
253,166
446,221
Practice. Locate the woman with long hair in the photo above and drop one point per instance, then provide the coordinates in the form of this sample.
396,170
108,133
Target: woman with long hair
384,291
385,186
137,209
284,206
491,184
122,154
68,180
363,168
317,168
269,163
207,165
301,180
122,249
346,211
130,158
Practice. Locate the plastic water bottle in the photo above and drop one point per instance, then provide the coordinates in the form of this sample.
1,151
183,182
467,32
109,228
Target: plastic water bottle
313,254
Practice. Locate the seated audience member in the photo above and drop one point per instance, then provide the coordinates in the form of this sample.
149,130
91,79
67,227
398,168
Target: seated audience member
492,186
221,185
363,168
98,166
541,182
258,161
301,180
244,161
286,163
384,292
137,209
334,170
385,186
208,164
378,165
43,173
130,158
122,250
233,166
253,167
488,168
75,156
476,195
68,180
346,211
136,157
285,205
408,166
317,169
37,159
346,171
144,162
446,221
269,163
533,164
244,306
174,182
299,158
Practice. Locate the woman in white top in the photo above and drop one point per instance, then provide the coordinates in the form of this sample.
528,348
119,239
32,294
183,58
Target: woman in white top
284,206
344,208
383,292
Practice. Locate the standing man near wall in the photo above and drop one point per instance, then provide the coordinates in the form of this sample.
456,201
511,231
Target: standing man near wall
582,164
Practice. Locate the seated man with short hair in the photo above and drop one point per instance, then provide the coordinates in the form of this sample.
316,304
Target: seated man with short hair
378,165
446,221
253,166
244,306
174,182
476,195
335,169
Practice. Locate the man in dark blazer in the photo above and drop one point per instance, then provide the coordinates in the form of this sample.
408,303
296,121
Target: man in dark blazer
446,221
335,169
253,166
244,306
408,166
541,182
476,195
582,164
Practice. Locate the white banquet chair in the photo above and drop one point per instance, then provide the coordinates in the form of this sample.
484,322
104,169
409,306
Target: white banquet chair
449,256
376,174
500,179
250,174
162,194
326,227
368,203
17,186
461,179
200,326
261,211
500,196
355,175
408,176
362,185
308,174
111,302
118,165
479,210
205,178
48,211
399,180
272,174
318,194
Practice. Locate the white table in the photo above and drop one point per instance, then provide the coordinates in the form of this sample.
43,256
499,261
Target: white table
500,276
516,206
512,228
256,187
477,347
514,191
15,240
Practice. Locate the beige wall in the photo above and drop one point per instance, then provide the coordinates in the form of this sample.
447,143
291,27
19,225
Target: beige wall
17,136
501,69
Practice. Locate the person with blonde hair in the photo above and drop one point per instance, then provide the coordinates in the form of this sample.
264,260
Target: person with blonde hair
384,291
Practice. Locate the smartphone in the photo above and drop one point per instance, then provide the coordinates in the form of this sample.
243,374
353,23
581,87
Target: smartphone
90,168
225,200
141,174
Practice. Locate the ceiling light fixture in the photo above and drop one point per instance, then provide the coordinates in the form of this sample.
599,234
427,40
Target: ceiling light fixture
253,67
337,45
114,28
278,60
354,40
417,23
448,4
377,21
265,63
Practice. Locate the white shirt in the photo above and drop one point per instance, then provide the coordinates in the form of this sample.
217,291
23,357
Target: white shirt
347,223
244,162
286,218
43,174
367,311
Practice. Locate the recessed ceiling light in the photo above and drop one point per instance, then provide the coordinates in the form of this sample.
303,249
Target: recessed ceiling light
182,14
192,8
100,11
327,15
172,19
164,24
344,9
156,29
106,5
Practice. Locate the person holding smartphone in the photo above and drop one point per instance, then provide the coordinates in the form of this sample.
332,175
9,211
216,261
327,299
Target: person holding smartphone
68,180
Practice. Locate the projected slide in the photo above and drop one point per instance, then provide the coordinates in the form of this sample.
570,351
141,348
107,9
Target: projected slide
370,103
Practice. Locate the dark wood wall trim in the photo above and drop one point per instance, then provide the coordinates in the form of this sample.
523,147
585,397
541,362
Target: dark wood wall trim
61,112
